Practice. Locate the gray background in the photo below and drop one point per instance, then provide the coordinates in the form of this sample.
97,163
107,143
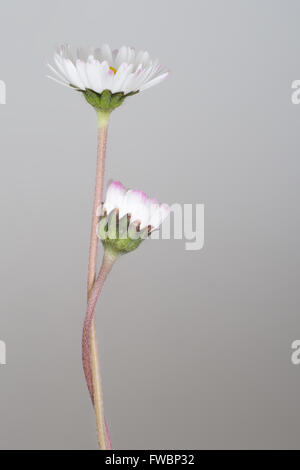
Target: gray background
195,346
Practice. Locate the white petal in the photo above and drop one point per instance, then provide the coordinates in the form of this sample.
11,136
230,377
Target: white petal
145,58
106,54
58,75
120,77
136,204
58,81
59,62
93,71
155,216
73,74
138,58
154,81
131,55
114,196
104,76
129,84
121,56
81,68
83,53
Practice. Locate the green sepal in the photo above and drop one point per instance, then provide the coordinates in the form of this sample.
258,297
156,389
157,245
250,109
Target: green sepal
121,246
117,99
123,227
119,236
112,225
105,101
102,227
94,99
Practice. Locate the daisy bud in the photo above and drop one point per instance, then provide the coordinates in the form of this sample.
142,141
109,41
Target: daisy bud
128,217
106,77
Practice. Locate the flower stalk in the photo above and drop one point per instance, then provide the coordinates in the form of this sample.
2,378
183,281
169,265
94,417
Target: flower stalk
90,348
90,353
101,151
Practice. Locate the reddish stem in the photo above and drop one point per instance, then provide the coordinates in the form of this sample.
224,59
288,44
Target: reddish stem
106,266
91,366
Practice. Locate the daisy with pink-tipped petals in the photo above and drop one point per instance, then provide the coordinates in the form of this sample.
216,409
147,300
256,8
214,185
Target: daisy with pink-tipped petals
136,204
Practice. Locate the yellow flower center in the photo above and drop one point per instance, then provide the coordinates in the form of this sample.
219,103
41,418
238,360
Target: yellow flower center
113,69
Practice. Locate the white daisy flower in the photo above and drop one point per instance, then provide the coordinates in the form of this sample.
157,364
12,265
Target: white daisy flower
141,209
120,71
128,217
